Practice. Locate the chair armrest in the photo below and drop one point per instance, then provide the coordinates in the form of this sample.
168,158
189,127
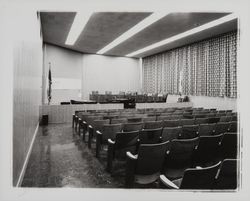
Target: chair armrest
111,141
167,182
98,133
131,156
90,127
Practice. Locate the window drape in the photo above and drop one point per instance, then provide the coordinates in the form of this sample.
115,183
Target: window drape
206,68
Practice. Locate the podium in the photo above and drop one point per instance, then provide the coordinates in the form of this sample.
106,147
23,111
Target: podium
129,103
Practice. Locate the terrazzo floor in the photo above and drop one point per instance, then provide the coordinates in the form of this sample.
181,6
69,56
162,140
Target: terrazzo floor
60,158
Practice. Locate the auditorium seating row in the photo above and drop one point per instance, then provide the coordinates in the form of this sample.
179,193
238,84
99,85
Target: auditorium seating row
166,150
158,114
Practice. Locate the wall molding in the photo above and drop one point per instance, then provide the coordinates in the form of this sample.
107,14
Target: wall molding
20,179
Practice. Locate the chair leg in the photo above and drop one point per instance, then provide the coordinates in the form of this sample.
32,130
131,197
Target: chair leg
76,122
130,173
79,128
90,137
85,129
110,157
98,145
73,120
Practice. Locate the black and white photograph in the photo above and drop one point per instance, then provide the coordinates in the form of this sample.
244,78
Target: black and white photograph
124,100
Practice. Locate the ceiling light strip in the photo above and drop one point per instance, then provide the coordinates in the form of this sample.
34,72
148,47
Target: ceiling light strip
80,20
184,34
134,30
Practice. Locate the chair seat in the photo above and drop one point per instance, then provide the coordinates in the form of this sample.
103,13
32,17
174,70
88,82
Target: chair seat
177,182
146,179
174,173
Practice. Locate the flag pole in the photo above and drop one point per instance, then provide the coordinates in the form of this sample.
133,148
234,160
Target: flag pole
50,83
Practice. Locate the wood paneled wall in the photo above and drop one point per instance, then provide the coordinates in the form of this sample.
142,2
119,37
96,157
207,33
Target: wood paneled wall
63,113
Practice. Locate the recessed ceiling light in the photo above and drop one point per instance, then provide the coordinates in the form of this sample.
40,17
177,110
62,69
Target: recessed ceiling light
80,20
184,34
134,30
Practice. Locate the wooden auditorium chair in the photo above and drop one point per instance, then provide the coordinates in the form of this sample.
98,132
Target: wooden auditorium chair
127,127
226,178
109,132
117,148
145,166
170,133
179,157
152,124
150,136
189,131
207,151
193,178
96,126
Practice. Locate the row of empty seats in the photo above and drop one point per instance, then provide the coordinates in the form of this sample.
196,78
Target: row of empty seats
165,150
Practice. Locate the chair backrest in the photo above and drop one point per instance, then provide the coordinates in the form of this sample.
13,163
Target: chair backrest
118,121
234,118
84,117
111,116
201,121
206,129
170,123
134,119
229,146
150,136
99,124
213,120
225,118
176,116
171,133
202,178
221,127
220,114
201,115
126,139
151,114
151,118
132,126
152,124
166,113
110,130
233,126
189,131
226,177
183,122
181,152
207,150
211,114
162,118
151,158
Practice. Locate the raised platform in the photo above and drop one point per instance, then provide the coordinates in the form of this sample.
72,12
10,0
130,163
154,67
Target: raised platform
63,113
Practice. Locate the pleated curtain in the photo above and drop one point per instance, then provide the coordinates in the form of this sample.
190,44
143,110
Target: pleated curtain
206,68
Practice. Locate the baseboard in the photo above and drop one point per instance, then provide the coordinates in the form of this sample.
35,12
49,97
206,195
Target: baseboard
20,179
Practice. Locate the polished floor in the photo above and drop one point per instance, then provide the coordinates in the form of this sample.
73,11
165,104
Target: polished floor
60,158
